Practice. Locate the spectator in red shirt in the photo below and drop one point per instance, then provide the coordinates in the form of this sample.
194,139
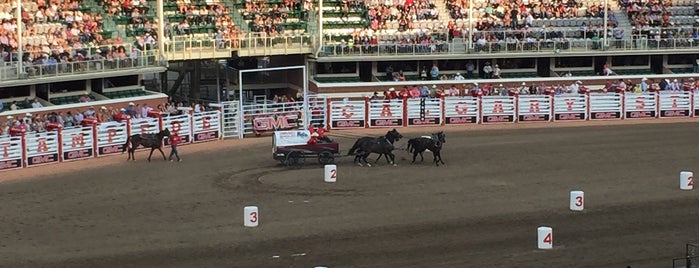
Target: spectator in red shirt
174,141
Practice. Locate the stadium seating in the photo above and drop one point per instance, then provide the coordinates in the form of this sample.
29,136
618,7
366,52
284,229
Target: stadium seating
125,93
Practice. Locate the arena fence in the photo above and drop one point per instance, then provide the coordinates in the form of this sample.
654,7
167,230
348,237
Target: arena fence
509,109
27,149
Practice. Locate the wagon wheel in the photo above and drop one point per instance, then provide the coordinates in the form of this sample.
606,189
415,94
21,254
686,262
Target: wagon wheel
326,157
295,159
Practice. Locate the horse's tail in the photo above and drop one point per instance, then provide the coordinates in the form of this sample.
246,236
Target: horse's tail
354,147
410,146
126,145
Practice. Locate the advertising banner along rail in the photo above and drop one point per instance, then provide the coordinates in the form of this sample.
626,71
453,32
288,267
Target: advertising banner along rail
569,107
498,109
386,113
10,152
77,143
424,111
347,114
675,104
461,110
640,105
533,108
605,106
27,149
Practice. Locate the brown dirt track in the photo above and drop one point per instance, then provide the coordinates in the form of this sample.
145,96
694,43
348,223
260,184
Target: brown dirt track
480,210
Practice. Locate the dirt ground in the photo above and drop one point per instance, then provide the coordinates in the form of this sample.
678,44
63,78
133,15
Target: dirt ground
479,210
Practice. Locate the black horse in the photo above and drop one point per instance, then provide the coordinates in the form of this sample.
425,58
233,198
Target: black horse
154,141
434,144
381,145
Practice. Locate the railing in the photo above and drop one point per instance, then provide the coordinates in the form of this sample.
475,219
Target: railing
10,71
511,47
251,45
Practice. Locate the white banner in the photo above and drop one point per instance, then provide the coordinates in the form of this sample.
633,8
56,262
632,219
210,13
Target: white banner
77,143
41,148
498,109
432,114
348,114
605,106
207,126
675,104
383,113
291,137
570,107
532,108
180,125
640,105
145,125
10,152
111,137
460,110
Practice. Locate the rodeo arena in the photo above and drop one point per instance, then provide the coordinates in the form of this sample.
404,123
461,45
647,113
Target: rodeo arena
349,133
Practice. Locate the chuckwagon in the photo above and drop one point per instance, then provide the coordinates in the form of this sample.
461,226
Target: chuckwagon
291,148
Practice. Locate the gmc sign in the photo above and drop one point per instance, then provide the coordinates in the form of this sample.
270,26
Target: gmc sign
78,154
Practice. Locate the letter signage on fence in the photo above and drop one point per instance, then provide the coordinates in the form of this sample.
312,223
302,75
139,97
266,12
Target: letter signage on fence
10,152
77,143
347,114
640,105
460,110
41,148
386,114
180,125
605,106
207,126
432,112
675,104
145,125
569,107
111,137
498,109
534,108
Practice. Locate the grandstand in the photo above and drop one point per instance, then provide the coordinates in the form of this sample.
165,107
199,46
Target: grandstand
115,48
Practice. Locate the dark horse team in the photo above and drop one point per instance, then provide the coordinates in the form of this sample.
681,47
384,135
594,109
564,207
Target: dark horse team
384,146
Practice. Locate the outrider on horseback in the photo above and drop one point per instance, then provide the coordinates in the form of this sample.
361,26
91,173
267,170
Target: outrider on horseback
149,140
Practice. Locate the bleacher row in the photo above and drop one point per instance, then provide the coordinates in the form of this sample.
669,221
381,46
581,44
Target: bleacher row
63,99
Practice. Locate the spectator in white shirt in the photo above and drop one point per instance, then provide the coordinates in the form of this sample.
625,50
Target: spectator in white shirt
458,77
36,104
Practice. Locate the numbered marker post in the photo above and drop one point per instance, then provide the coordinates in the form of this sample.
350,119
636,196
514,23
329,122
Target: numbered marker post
545,237
330,173
577,200
252,216
686,180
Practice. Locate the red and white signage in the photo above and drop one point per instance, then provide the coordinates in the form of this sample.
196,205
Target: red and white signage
347,114
385,113
41,148
534,108
431,116
640,105
10,152
206,126
675,103
77,143
498,109
604,106
569,107
180,125
111,137
461,110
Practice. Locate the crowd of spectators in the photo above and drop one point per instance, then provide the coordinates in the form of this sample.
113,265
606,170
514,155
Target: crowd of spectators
39,121
647,13
270,19
405,12
492,89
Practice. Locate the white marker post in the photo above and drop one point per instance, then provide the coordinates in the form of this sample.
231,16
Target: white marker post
252,216
330,173
686,180
545,237
577,200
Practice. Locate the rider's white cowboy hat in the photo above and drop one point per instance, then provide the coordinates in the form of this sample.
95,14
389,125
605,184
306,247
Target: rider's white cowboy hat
315,134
